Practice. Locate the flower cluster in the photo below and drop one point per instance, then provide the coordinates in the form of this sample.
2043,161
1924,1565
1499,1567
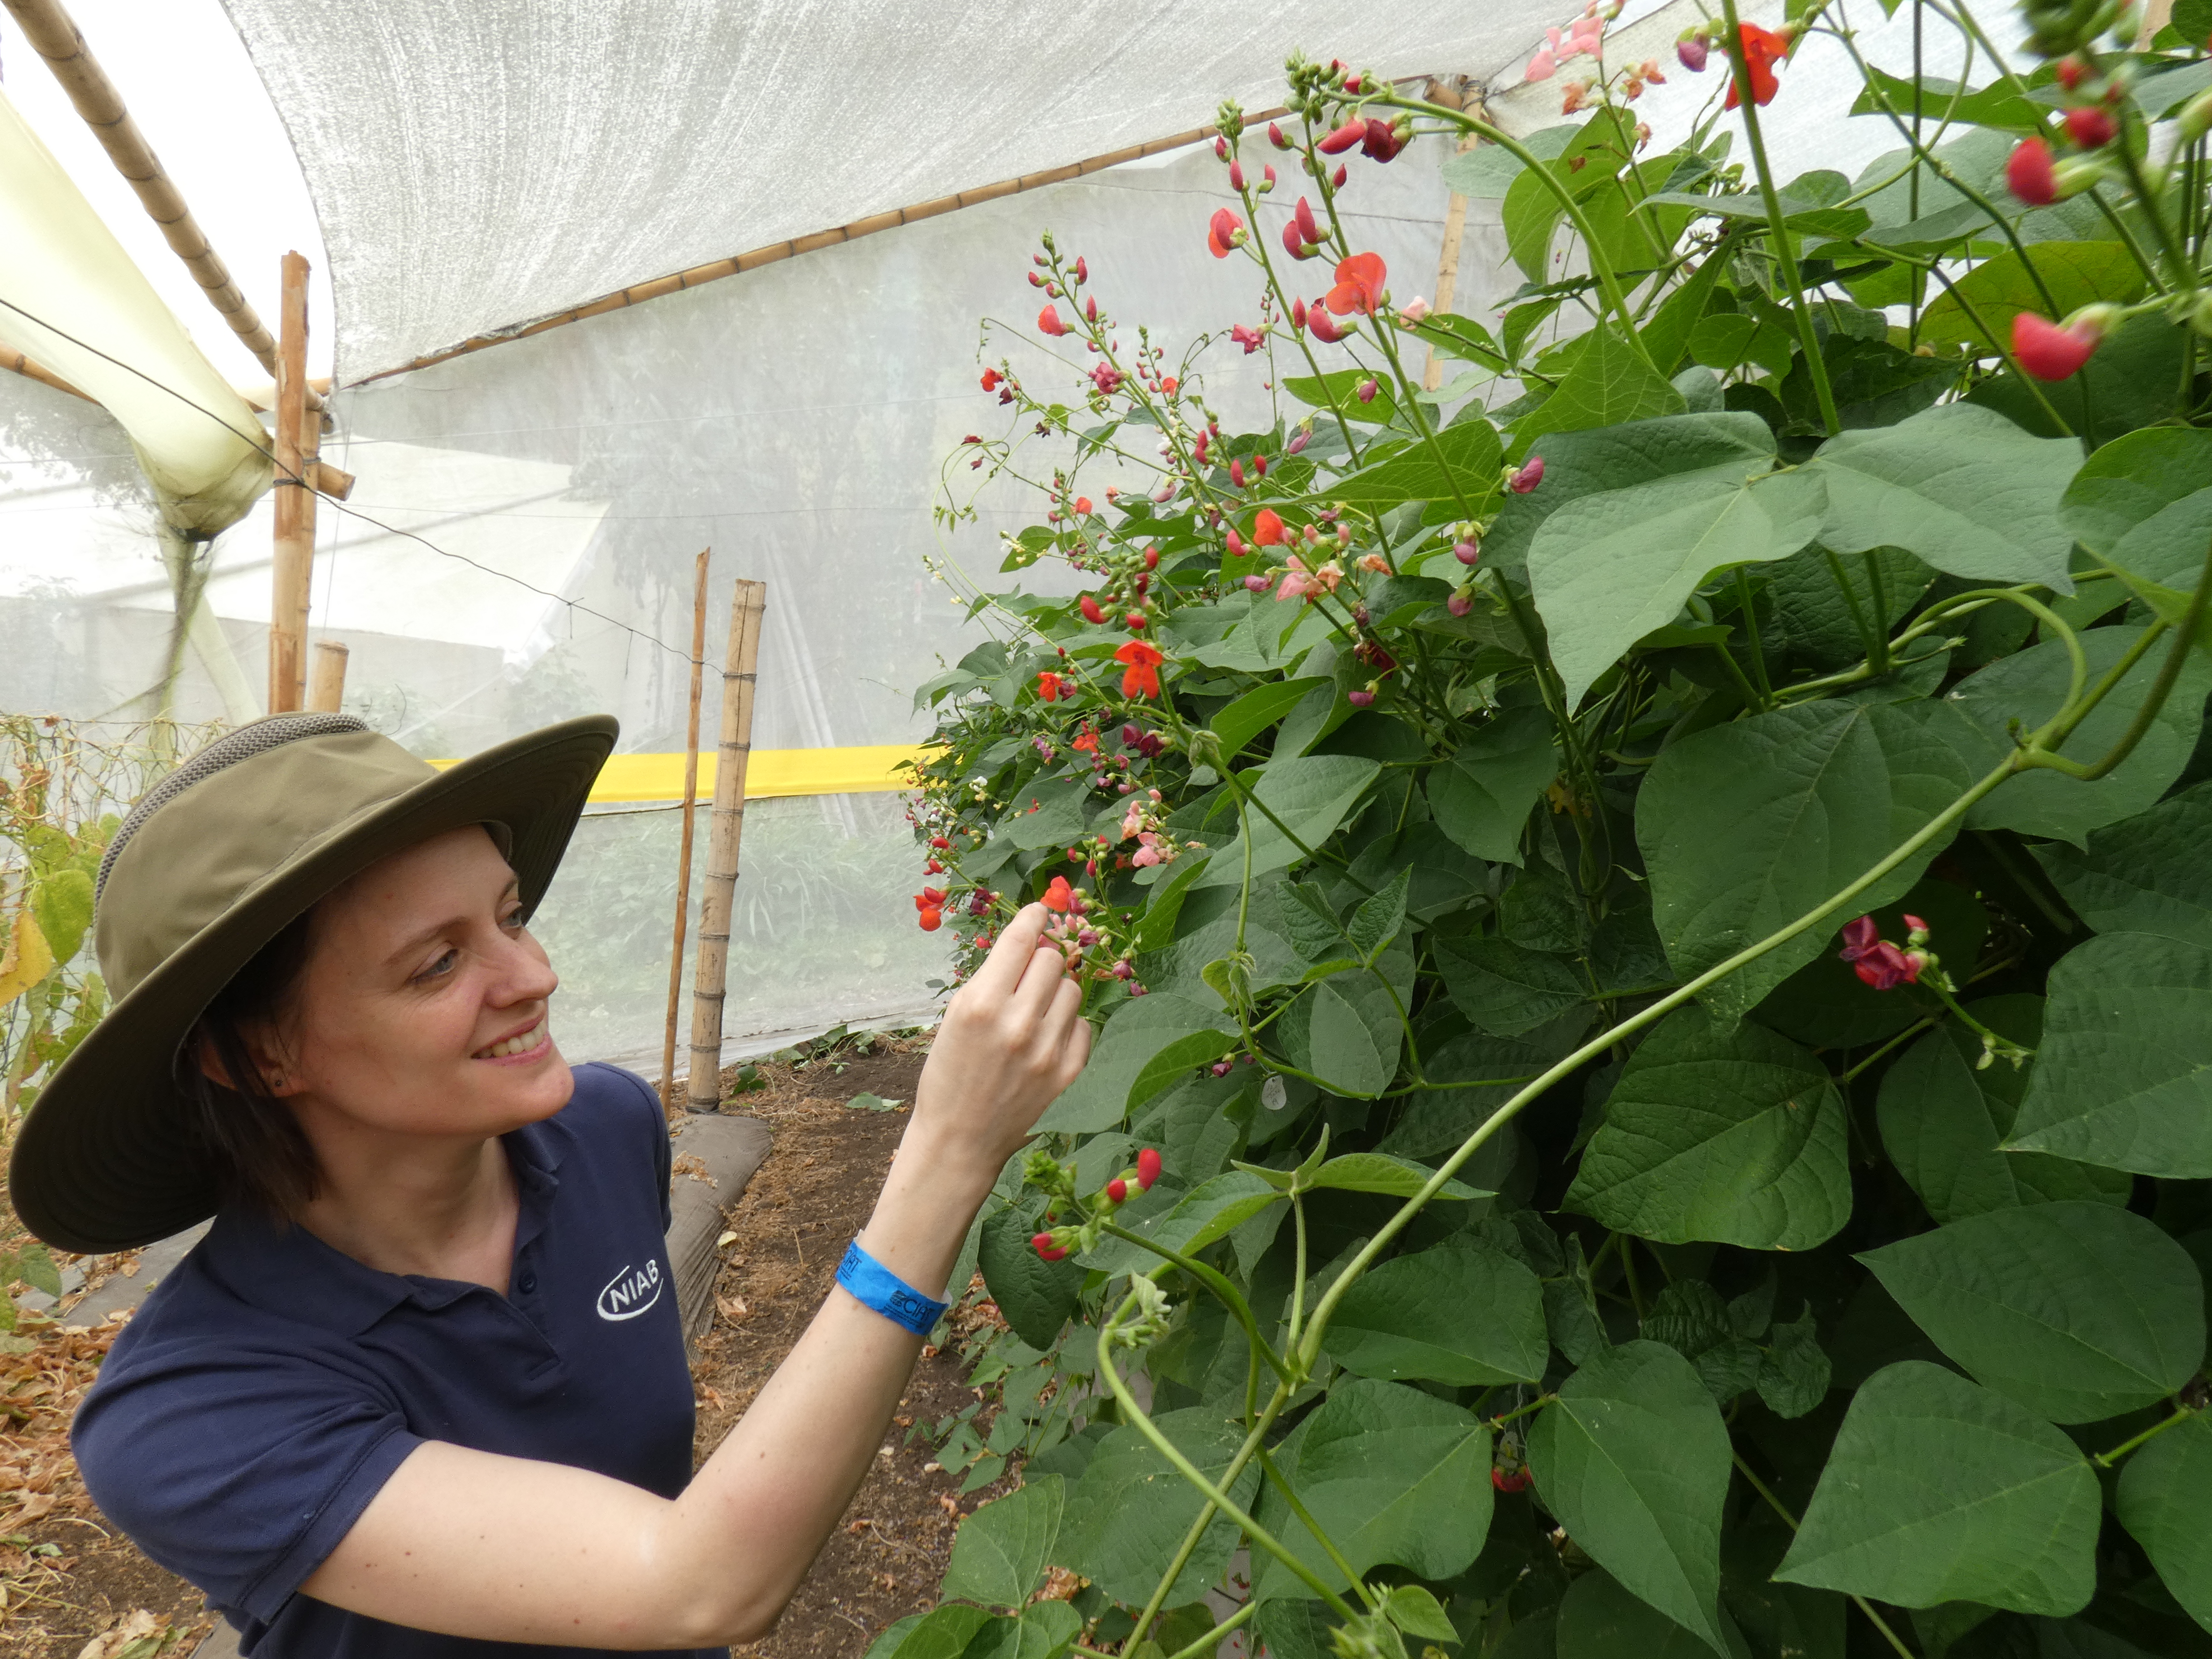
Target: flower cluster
1879,963
1057,1180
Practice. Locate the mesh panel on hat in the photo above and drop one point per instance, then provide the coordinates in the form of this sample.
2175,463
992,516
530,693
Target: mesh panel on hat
255,738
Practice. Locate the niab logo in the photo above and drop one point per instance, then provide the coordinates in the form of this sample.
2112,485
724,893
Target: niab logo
630,1292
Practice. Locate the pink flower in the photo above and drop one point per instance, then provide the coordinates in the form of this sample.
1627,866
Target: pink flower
1885,966
1108,379
1690,51
1298,440
1414,310
1528,477
1859,938
1224,232
1250,338
1359,699
1543,66
1325,329
1048,322
1460,602
1351,132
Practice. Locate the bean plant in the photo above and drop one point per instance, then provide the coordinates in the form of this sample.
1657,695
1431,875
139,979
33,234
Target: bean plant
1648,909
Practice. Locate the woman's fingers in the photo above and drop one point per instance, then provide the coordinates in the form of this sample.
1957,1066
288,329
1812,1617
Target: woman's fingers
1003,969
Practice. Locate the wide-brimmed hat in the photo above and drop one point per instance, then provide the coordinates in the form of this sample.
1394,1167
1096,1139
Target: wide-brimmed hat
216,860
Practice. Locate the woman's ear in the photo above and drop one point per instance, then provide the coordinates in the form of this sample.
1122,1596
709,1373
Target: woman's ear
263,1052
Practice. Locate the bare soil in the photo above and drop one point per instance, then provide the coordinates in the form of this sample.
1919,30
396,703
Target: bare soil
884,1561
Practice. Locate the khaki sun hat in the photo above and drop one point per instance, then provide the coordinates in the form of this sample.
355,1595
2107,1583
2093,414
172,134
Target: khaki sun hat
216,860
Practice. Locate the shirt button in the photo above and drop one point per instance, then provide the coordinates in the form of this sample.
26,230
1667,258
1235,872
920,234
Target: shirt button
527,1283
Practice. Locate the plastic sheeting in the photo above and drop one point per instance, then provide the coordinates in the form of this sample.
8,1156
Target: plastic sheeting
112,336
795,418
476,167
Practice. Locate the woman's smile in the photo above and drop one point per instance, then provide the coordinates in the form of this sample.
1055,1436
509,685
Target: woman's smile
533,1043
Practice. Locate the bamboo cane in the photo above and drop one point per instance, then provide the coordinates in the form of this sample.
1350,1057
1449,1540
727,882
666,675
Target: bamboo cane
31,369
326,686
295,562
710,978
690,805
1432,376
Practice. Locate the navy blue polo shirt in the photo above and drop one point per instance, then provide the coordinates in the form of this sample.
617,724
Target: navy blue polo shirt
266,1390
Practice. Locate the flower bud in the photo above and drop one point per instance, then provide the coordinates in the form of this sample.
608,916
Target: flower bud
1221,146
1148,1167
1117,1190
1237,176
1466,552
1367,391
1338,178
1275,136
2030,174
1300,438
1258,584
1527,477
1136,620
1360,699
1461,602
2089,129
1351,133
1690,51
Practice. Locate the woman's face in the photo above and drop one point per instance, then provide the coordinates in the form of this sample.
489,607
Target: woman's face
423,1006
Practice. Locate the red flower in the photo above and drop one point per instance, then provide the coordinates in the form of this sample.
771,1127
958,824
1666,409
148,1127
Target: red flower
1504,1480
1380,141
2030,175
1087,741
1358,285
1762,48
1351,132
1295,245
1051,687
1048,322
1082,505
1885,966
1089,606
1141,676
1148,1167
1044,1247
931,920
1267,528
1056,895
1859,938
2091,129
929,898
1224,232
1324,327
991,379
1108,379
1250,338
2050,352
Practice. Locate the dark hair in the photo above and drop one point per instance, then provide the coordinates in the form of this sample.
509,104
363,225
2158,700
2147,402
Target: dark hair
259,1155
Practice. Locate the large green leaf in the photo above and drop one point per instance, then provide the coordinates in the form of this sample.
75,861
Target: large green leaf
1735,1136
1942,1120
62,904
1482,795
1129,1513
1506,989
2030,687
2000,288
1960,486
1600,1619
1310,795
1461,464
2080,1311
2124,1078
1001,1550
1459,1313
1747,827
2165,1500
2146,874
1209,1212
1634,1461
1259,709
1134,1038
1391,1474
1035,1294
942,1633
2143,503
1941,1491
1607,383
1610,568
1346,1031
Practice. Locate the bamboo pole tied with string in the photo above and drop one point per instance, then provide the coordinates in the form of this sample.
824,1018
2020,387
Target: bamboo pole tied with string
710,978
690,806
297,438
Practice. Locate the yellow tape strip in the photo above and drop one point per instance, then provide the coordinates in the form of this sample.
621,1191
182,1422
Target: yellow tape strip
867,769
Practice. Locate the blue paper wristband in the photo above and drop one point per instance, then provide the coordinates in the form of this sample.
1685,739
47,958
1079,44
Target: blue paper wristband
874,1285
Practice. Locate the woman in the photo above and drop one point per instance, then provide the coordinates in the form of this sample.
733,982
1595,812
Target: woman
419,1392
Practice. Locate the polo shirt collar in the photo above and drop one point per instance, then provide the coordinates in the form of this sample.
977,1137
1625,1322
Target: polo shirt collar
287,1271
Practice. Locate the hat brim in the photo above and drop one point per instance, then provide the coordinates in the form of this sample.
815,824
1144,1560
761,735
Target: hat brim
105,1160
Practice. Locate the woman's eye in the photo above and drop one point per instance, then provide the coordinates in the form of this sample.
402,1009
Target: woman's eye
439,968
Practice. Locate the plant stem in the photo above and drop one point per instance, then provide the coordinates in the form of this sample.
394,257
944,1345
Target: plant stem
1790,1521
1305,1516
1222,1289
1784,255
1743,599
1909,1032
2181,1414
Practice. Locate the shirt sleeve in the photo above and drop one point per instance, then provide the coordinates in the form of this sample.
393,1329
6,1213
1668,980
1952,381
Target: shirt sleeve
654,1121
236,1464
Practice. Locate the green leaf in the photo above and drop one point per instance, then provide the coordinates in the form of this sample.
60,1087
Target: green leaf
1633,1459
1608,569
1960,486
1416,1612
1458,1313
1379,920
2131,380
2079,1311
1940,1491
1340,392
1747,827
1139,1032
1130,1511
1035,1294
942,1633
1460,463
1048,814
1258,709
1504,987
1346,1031
2000,288
62,904
1942,1121
2123,1078
1824,1004
2165,1501
2031,686
1794,1373
2146,874
1738,1138
1482,795
1391,1474
1311,794
1608,383
2143,503
1600,1619
1001,1550
1209,1212
1378,1172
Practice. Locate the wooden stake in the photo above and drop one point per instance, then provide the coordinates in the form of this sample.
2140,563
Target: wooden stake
710,978
294,564
1432,377
690,805
326,686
